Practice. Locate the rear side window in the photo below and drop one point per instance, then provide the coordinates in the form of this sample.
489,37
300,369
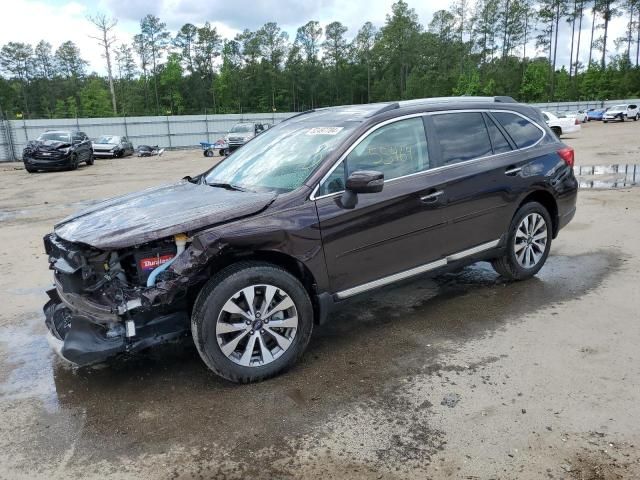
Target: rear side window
500,143
462,136
522,131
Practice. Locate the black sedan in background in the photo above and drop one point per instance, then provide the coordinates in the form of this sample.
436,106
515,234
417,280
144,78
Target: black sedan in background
57,150
112,146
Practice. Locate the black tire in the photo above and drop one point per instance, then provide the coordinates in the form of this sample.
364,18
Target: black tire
635,119
605,121
30,170
557,131
73,162
218,290
507,265
222,152
91,160
208,153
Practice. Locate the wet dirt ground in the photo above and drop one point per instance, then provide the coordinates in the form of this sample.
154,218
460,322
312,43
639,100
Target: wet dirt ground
461,376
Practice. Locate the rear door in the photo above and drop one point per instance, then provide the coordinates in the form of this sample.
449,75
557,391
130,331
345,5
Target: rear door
389,232
482,167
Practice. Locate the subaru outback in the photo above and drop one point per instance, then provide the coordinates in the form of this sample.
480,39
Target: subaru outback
248,256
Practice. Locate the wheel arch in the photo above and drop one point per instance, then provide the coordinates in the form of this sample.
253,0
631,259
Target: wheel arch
274,257
548,201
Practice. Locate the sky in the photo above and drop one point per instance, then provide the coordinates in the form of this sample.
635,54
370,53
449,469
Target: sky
57,21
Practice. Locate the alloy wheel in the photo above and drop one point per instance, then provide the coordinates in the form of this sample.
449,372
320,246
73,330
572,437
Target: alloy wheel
530,240
257,325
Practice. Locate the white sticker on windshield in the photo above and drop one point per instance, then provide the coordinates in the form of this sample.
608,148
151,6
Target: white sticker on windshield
324,130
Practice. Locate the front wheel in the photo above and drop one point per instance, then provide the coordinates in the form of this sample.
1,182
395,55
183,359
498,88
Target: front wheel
528,243
208,153
73,162
251,321
91,160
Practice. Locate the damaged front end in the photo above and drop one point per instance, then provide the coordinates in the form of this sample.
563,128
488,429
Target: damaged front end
106,303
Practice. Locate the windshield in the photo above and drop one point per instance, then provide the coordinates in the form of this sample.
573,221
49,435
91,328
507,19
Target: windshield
110,139
619,107
282,158
56,137
241,128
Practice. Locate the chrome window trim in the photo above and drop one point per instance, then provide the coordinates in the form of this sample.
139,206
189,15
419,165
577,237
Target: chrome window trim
412,272
431,170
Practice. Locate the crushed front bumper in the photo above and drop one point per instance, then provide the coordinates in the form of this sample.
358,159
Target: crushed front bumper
84,332
47,164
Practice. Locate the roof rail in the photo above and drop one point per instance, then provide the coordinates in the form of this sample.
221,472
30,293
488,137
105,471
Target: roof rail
463,98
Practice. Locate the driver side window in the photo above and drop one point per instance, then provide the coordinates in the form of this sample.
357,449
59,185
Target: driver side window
396,150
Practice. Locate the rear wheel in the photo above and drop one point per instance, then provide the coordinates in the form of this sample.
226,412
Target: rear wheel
251,321
528,243
557,131
90,160
635,119
208,153
30,170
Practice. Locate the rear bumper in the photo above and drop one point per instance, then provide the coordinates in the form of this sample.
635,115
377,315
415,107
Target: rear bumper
571,129
563,220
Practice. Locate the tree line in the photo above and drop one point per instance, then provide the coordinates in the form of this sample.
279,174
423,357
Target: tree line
481,47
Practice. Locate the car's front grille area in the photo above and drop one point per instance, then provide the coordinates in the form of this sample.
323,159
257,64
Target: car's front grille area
47,155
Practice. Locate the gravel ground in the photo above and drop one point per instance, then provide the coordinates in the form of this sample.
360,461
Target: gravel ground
462,376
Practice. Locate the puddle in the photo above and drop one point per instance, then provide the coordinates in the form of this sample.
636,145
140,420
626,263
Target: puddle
605,177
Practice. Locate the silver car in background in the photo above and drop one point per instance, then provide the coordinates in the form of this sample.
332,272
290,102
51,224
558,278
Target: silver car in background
242,132
114,146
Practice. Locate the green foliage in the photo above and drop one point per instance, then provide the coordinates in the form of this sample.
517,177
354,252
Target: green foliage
535,81
94,99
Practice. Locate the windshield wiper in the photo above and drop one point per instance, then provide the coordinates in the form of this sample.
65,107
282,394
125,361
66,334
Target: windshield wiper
227,186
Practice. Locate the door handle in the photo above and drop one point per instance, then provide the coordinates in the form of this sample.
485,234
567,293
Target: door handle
431,197
513,171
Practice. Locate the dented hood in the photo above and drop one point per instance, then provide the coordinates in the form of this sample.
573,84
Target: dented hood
158,212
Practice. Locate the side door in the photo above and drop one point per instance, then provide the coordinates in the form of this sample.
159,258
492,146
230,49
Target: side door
483,176
386,233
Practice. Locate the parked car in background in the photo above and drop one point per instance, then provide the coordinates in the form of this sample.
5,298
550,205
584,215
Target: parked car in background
620,113
561,125
112,146
57,150
249,255
580,115
595,114
241,133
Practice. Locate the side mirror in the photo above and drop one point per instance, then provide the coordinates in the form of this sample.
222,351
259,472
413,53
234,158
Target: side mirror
365,181
361,181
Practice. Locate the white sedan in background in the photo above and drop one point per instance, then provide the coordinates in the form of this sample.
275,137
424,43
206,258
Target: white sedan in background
580,115
561,125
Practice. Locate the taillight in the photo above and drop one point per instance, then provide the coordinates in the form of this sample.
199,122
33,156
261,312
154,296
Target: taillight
567,155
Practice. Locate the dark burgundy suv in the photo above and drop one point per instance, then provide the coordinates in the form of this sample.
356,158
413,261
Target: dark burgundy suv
326,205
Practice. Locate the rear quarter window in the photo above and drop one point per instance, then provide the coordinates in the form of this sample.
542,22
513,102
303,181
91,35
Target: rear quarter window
522,131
